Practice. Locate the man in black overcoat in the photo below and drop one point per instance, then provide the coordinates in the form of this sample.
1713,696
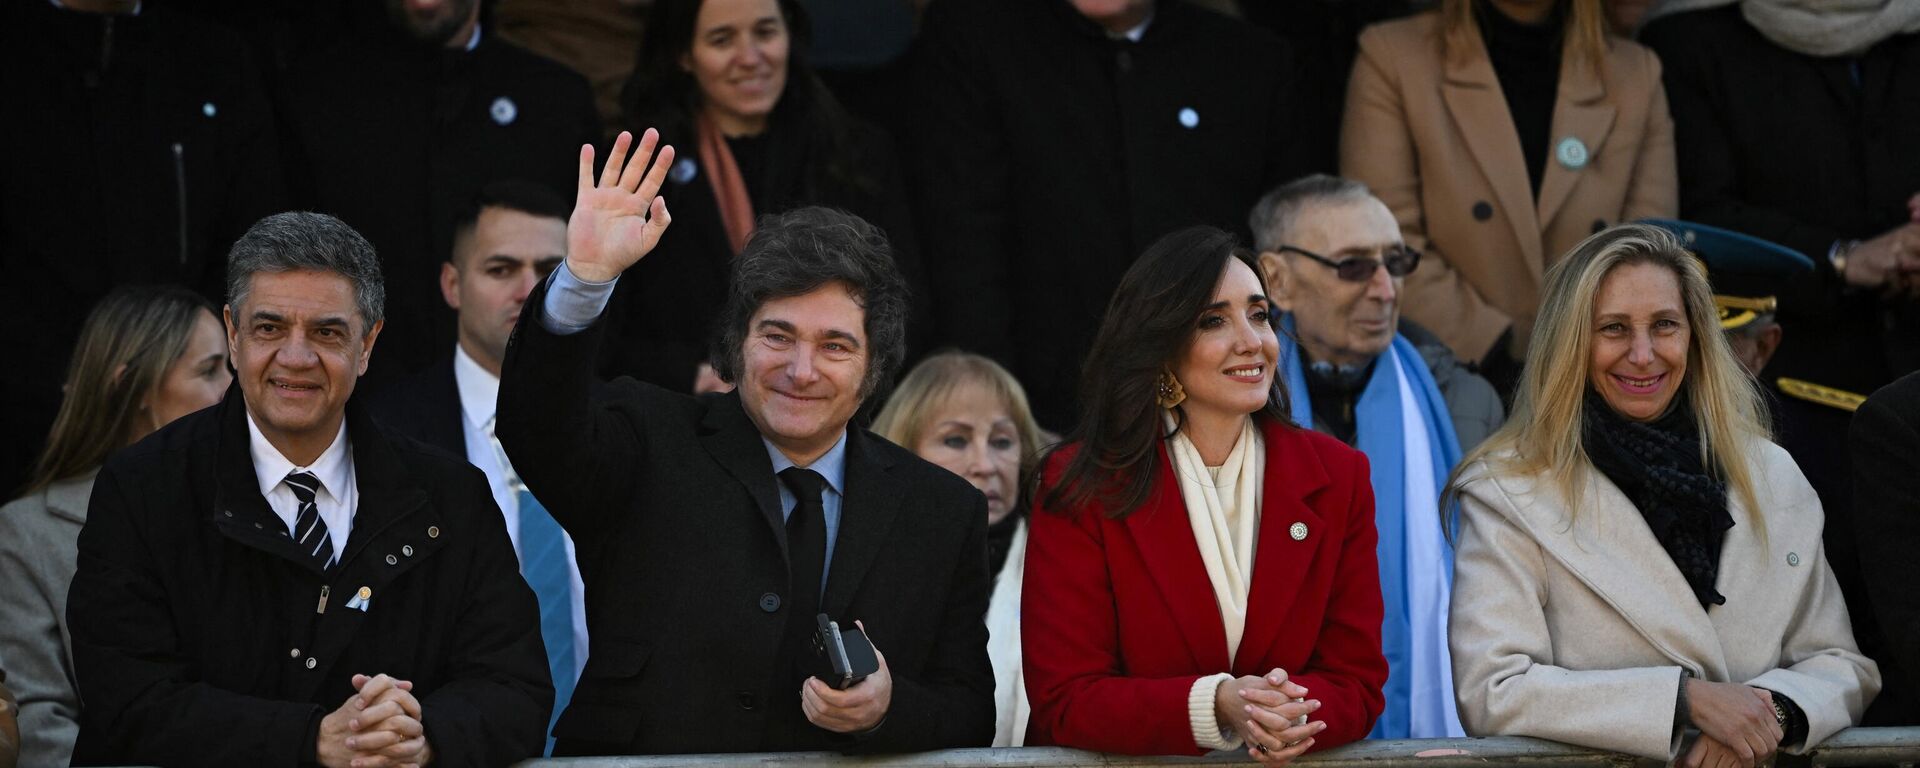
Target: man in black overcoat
130,111
713,530
395,130
278,580
1052,147
1885,442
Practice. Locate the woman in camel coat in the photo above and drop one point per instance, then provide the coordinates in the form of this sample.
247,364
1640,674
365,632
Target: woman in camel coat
1494,166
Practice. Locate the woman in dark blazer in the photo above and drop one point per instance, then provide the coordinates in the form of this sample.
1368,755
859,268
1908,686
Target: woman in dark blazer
1201,572
727,81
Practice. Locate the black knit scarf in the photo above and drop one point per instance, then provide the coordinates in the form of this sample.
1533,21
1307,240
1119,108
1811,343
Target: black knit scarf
1657,465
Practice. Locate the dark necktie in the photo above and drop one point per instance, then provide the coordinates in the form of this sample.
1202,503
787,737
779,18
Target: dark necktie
309,531
806,540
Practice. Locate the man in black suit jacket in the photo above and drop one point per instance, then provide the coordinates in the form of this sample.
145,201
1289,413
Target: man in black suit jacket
278,580
712,530
1885,443
509,239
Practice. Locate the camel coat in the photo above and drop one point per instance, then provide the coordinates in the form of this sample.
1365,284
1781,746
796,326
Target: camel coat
1578,631
1433,137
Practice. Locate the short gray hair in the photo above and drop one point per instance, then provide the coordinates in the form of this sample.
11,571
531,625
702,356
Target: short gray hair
796,252
301,240
1278,212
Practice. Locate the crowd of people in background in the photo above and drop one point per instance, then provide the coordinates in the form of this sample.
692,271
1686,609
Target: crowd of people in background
1348,368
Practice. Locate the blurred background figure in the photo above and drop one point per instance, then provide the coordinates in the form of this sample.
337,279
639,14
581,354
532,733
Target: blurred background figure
1886,462
600,39
1332,259
1638,568
140,144
969,415
728,84
395,128
1501,133
146,356
1055,141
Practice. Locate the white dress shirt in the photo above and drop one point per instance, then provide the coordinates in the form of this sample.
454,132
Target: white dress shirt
339,494
479,394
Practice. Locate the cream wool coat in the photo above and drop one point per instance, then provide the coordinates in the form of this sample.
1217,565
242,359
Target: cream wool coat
1578,631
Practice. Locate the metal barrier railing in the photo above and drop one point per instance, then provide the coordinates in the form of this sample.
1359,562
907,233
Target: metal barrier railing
1852,747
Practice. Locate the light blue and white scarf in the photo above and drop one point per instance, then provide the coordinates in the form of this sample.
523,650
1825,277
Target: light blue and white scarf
1404,429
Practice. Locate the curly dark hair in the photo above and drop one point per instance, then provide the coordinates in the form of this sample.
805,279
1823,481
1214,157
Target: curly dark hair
794,253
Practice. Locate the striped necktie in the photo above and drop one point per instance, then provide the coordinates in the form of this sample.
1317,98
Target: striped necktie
309,531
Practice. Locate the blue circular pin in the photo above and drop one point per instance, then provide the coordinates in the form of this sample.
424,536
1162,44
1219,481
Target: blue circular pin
503,110
683,170
1571,153
1189,118
208,109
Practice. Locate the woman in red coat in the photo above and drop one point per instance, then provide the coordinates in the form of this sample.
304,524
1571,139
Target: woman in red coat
1200,572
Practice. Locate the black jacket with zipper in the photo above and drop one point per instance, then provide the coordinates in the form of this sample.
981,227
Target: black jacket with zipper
139,147
201,637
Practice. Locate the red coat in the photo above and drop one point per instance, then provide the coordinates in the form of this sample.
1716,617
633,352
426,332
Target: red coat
1118,618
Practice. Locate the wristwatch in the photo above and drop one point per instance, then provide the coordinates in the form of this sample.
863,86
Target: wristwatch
1779,712
1837,256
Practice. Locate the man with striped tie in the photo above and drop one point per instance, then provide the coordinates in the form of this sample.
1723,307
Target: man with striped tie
278,579
509,238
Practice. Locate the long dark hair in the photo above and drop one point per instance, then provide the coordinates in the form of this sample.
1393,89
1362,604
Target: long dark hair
807,120
1149,324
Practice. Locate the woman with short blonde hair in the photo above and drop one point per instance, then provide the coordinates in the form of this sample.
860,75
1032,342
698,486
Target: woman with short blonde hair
1639,569
967,414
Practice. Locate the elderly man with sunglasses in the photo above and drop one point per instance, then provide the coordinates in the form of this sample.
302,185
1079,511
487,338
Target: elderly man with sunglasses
1333,261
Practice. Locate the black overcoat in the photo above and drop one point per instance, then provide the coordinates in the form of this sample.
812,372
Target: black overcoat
138,148
673,508
397,139
1885,443
1802,151
201,638
1048,157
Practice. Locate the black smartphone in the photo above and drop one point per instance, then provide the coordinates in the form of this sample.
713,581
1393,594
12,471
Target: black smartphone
846,656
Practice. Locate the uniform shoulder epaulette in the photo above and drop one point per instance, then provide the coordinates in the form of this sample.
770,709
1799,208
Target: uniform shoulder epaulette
1828,396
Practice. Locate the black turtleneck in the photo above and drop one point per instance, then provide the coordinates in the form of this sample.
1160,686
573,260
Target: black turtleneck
1526,59
1334,391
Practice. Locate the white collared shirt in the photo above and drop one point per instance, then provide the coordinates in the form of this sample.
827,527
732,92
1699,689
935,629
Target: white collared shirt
479,394
339,494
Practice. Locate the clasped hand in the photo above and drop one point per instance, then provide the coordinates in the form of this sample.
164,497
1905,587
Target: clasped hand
377,727
1263,711
1737,725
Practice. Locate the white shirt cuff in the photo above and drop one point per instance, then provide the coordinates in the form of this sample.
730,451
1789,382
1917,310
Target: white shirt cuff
573,304
1207,733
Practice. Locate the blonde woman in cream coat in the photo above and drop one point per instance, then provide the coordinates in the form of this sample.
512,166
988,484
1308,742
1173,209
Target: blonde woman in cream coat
1570,619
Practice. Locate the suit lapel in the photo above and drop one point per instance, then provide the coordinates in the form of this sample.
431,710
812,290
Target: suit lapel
1480,116
1609,548
1164,536
1292,475
731,439
1581,112
867,509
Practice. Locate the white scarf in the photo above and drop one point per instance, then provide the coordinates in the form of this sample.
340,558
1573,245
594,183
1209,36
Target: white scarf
1010,708
1817,27
1223,506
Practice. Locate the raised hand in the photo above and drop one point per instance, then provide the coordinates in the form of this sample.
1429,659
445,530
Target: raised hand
620,219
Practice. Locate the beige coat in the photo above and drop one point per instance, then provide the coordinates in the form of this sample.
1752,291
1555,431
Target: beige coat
1578,632
1434,139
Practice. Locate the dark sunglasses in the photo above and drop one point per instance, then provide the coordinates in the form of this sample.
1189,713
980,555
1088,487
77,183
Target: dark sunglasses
1399,260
